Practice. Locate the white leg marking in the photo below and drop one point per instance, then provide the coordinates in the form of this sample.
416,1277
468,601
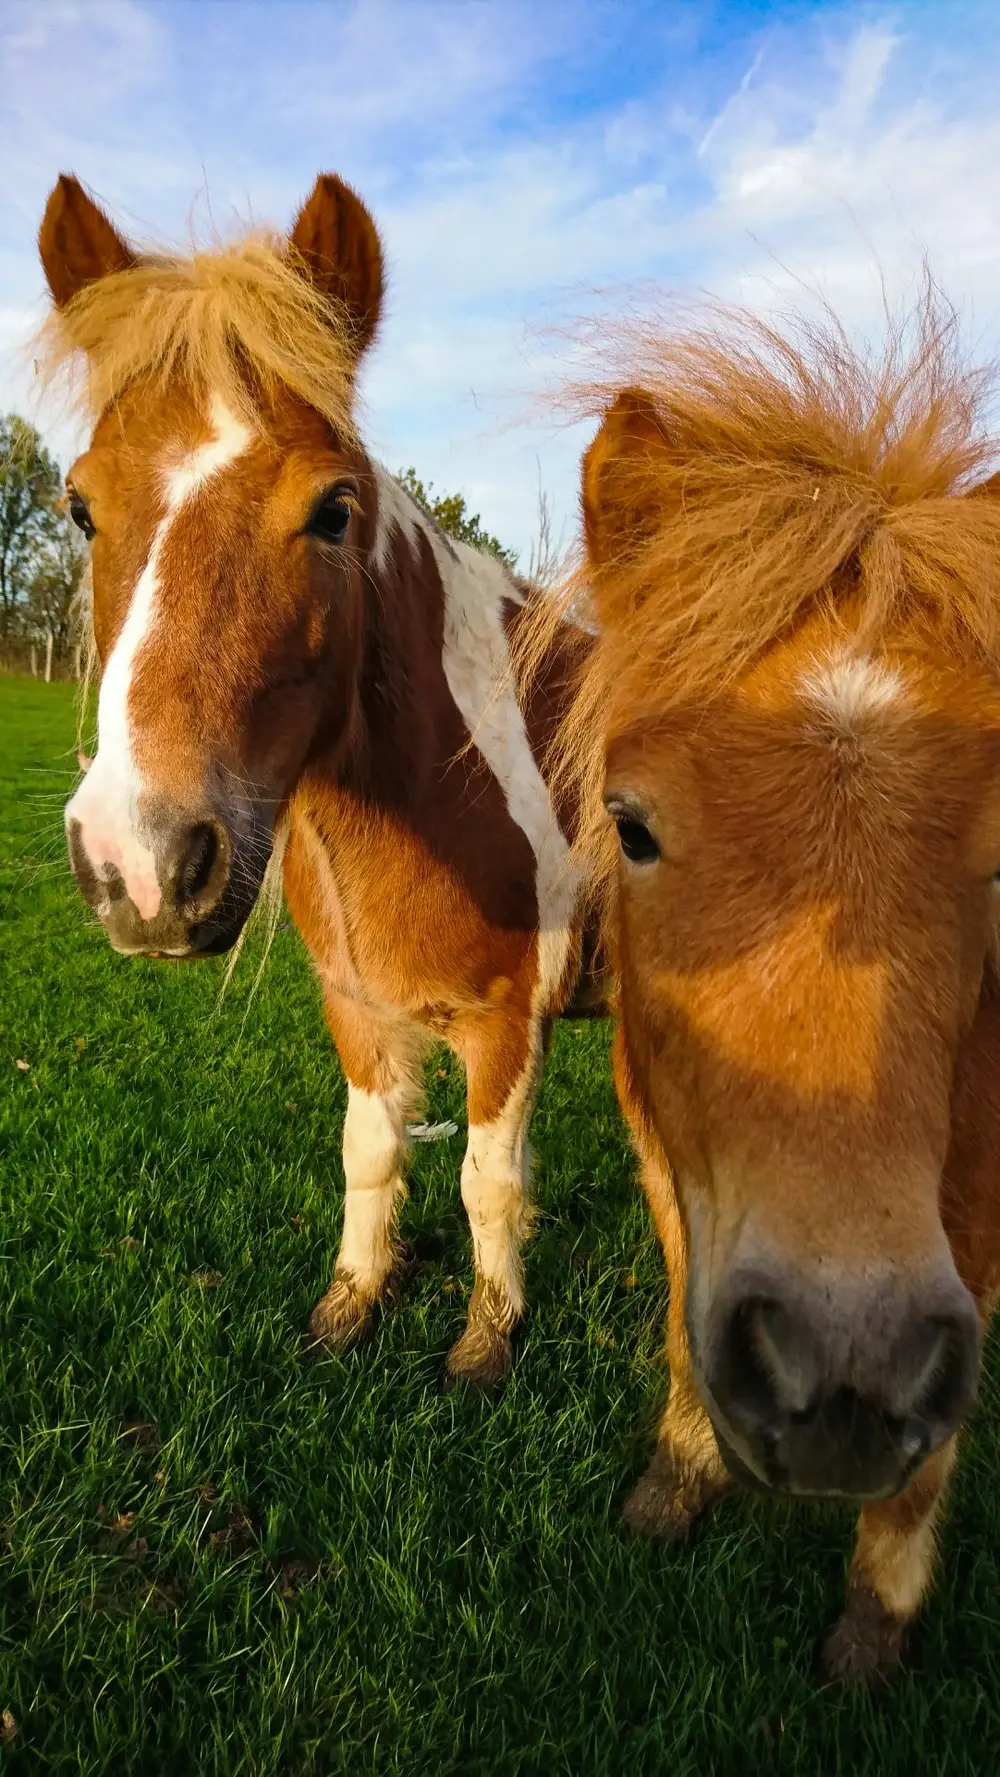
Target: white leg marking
107,802
495,1177
375,1145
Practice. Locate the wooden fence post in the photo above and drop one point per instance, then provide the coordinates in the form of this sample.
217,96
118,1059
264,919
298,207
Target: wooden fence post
48,658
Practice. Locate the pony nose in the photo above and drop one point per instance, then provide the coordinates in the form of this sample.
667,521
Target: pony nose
820,1402
189,911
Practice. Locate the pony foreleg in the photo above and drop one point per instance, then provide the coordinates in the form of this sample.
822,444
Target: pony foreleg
495,1178
381,1093
891,1570
686,1471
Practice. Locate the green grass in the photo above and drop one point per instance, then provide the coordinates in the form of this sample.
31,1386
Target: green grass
341,1567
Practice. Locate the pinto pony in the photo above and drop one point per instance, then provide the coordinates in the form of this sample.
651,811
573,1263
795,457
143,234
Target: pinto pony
293,653
788,741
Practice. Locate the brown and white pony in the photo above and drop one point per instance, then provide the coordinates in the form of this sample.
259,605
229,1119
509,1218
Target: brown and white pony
792,719
290,647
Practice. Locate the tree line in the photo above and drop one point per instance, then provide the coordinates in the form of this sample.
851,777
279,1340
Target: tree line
43,557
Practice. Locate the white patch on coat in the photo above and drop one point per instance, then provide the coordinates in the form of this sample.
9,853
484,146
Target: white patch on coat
852,687
476,662
107,803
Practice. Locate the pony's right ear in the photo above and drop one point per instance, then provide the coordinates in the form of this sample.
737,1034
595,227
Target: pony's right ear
76,242
619,493
335,236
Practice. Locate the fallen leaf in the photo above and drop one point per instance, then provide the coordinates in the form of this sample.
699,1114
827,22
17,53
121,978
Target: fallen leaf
290,1105
130,1243
122,1521
8,1727
206,1280
24,1066
629,1281
298,1222
80,1042
207,1493
160,1478
440,1073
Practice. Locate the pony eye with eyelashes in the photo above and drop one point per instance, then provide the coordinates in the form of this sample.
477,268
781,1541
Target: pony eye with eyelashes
331,515
634,837
80,514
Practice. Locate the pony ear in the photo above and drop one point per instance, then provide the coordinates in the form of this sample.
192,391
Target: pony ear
619,495
990,488
335,235
76,242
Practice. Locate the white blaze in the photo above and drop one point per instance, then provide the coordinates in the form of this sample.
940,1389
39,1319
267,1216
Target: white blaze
107,802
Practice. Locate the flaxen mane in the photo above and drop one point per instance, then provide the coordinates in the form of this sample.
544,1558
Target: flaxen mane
795,470
239,320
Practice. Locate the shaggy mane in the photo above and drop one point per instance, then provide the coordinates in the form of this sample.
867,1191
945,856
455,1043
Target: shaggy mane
801,471
241,319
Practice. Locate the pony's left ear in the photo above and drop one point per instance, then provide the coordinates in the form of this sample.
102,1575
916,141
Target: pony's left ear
77,243
335,236
621,502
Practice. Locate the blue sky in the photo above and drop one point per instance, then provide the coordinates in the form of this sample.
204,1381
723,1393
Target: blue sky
517,157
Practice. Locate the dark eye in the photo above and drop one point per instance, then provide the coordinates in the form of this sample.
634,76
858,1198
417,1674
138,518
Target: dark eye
634,837
636,841
80,515
331,515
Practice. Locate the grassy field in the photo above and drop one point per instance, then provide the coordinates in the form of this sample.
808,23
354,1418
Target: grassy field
218,1559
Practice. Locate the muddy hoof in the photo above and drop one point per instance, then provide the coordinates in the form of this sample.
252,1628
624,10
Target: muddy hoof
657,1510
342,1319
480,1359
864,1648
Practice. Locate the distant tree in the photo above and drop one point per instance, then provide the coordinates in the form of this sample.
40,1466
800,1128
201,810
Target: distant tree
453,515
29,489
52,604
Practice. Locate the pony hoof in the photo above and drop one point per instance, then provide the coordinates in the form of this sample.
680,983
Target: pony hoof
864,1648
658,1512
342,1319
480,1359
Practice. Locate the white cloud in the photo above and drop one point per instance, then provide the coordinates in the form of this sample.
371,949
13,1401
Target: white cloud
829,157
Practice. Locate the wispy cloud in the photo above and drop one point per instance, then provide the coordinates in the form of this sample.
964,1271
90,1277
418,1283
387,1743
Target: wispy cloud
516,156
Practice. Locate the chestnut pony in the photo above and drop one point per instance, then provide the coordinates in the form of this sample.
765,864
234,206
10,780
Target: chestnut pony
792,719
292,653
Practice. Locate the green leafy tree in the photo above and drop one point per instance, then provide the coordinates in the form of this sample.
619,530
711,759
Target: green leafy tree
453,515
29,490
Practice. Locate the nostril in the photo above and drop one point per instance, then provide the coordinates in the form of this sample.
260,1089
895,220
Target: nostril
744,1379
199,862
947,1380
